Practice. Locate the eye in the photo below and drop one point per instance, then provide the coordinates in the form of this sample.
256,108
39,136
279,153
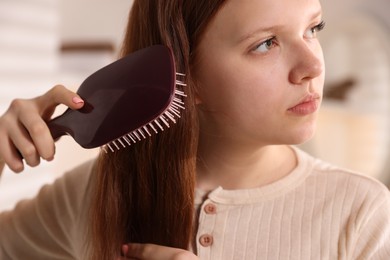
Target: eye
266,45
312,32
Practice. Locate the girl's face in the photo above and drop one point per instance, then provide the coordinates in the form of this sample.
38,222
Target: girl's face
260,71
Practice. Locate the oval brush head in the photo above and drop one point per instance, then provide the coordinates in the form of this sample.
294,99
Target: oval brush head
125,101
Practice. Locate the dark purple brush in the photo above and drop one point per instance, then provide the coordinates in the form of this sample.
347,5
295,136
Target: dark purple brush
125,102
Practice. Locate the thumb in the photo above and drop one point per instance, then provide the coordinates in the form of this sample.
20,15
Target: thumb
56,96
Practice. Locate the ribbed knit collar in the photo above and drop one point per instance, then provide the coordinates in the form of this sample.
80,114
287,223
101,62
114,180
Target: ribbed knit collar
278,188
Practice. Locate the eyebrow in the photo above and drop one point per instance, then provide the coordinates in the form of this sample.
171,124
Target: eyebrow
271,28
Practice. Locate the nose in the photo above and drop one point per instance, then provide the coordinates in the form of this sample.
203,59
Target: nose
307,62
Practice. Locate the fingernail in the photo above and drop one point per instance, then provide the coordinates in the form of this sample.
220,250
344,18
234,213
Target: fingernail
77,100
125,249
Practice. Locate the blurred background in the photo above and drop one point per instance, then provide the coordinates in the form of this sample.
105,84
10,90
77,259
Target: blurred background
49,42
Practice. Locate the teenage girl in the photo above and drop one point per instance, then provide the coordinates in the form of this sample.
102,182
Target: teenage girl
225,182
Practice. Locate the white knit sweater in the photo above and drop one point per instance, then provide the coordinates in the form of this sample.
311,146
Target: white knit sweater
317,212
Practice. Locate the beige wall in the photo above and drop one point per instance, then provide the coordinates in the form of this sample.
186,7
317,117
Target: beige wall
93,19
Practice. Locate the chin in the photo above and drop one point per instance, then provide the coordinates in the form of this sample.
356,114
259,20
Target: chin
303,135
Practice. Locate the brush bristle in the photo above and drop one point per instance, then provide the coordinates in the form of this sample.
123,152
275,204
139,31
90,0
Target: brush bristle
159,124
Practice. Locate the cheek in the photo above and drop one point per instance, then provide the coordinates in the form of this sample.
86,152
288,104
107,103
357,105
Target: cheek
233,85
215,86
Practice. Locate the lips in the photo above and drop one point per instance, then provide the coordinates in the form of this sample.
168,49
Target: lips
307,105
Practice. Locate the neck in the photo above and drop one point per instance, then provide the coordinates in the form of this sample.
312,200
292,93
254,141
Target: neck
234,166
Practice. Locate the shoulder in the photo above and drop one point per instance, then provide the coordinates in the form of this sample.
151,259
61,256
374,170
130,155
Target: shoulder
344,183
80,176
56,218
322,169
75,186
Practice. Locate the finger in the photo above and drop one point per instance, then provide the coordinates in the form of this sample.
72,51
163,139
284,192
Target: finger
136,251
125,249
10,155
124,256
157,252
61,95
37,133
148,251
23,143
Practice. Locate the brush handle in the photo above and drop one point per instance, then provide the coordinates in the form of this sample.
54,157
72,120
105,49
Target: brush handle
58,126
75,123
55,130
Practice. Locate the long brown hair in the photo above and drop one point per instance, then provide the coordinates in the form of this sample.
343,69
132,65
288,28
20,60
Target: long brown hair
145,193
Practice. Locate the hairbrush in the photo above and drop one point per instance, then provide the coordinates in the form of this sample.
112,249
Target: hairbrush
125,101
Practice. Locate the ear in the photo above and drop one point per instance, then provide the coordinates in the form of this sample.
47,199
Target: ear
198,100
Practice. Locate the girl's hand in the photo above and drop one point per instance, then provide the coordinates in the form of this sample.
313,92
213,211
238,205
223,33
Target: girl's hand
155,252
23,129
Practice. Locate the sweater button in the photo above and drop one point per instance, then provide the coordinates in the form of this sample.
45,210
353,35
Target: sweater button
206,240
210,209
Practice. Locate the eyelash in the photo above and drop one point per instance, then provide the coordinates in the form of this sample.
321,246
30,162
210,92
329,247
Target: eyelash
319,27
271,41
268,42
